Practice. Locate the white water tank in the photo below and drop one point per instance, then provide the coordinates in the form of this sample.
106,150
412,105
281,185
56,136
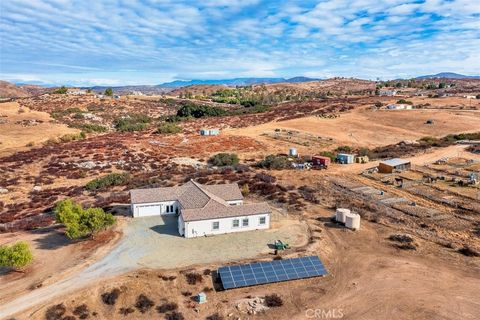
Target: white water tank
293,152
352,221
340,214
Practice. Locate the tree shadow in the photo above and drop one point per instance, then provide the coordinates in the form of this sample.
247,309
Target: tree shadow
52,240
119,210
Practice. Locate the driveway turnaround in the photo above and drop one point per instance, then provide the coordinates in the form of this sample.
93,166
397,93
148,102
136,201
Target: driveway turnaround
154,242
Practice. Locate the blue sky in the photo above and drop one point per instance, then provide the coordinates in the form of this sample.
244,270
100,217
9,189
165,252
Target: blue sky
153,41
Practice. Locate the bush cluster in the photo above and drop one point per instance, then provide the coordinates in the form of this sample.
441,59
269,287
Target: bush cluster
16,256
134,122
110,298
274,162
199,111
193,278
80,222
168,128
224,159
143,303
112,179
273,300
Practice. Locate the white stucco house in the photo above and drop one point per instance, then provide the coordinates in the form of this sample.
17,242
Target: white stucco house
202,209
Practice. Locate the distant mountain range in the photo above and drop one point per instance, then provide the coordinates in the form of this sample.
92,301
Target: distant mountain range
234,82
167,86
447,75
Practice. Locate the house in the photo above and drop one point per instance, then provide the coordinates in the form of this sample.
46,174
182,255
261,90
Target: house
345,158
202,209
392,165
76,92
209,132
399,106
387,92
320,161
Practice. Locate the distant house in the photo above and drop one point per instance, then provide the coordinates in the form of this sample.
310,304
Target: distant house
202,209
387,92
76,92
392,165
345,158
399,106
209,132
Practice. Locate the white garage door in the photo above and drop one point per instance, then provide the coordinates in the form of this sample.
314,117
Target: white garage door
148,210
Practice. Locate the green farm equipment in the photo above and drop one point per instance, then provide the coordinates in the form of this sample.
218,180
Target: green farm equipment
279,245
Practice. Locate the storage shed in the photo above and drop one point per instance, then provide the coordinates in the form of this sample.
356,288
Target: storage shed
214,132
361,159
204,132
320,161
392,165
345,158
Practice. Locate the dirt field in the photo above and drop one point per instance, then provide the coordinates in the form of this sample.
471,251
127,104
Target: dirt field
24,126
367,128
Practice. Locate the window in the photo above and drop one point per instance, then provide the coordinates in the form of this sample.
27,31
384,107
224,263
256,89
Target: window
245,222
168,209
171,208
215,225
262,220
236,223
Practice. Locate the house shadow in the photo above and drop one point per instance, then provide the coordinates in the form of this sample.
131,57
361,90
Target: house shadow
169,229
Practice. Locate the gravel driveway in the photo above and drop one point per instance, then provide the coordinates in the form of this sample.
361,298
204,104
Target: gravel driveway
153,242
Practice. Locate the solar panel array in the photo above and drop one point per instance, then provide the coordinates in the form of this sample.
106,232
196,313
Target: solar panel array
252,274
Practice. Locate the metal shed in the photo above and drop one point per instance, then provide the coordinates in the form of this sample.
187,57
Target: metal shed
395,164
345,158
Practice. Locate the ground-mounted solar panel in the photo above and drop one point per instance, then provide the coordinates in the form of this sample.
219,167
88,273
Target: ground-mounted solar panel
257,273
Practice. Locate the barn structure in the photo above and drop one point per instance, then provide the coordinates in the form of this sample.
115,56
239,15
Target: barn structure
202,209
392,165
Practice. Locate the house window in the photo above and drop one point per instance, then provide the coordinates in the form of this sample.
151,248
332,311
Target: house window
215,225
262,220
236,223
245,222
171,208
168,209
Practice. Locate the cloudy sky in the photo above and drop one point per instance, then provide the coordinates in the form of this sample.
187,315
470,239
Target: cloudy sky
108,42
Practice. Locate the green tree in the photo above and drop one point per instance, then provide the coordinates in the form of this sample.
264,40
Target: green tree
80,222
109,92
61,90
16,256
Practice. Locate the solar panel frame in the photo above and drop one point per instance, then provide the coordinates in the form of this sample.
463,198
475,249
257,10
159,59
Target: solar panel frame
257,273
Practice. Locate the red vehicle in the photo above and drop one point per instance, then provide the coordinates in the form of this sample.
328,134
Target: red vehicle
320,161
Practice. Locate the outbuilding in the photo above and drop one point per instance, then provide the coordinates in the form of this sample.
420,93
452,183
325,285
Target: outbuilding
320,161
345,158
202,209
392,165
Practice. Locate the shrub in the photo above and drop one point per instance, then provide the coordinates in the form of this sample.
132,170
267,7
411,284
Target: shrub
61,90
224,159
193,278
167,307
111,297
403,101
328,154
345,149
126,311
55,312
90,127
143,303
274,162
245,190
169,128
73,137
82,311
112,179
174,316
215,316
273,300
134,122
16,256
80,222
469,252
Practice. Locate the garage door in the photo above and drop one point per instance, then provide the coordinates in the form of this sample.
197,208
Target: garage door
148,210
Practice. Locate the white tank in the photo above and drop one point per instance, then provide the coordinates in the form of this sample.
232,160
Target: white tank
340,214
352,221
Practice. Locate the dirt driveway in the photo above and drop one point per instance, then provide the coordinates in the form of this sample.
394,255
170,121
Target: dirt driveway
153,242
